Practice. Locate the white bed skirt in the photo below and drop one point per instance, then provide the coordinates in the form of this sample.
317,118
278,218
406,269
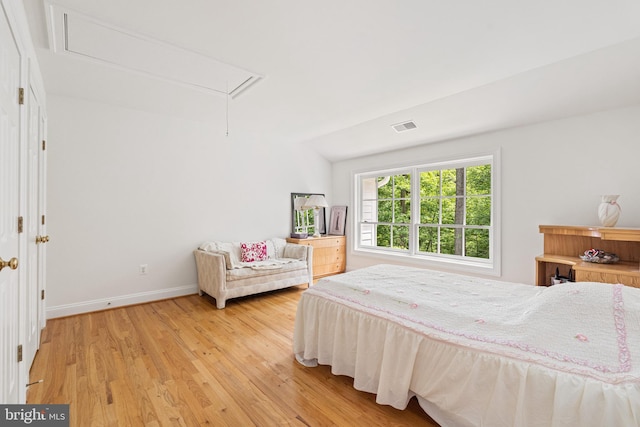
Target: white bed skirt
456,386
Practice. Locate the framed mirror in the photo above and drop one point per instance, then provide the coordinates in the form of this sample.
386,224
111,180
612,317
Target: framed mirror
302,220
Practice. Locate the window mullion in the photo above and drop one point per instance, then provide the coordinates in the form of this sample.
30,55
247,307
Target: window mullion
415,211
439,228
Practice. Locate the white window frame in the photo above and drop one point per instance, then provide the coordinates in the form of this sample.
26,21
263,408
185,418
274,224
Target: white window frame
490,266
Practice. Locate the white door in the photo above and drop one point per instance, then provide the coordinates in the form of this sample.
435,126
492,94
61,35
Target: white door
31,313
9,210
42,223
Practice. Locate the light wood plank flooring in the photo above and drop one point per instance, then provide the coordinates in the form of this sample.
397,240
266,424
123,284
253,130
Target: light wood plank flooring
182,362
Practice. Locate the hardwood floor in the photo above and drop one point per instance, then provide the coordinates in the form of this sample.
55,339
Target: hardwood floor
183,362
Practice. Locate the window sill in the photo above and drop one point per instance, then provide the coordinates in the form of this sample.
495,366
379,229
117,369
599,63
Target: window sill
438,263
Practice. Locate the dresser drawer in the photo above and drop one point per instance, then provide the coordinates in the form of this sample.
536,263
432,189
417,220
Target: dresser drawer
329,254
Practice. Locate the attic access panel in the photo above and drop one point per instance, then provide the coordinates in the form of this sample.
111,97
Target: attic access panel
81,36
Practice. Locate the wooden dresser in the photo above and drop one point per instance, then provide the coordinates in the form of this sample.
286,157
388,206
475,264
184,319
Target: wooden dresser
564,244
329,254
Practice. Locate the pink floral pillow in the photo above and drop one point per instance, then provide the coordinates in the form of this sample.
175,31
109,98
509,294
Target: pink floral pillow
254,251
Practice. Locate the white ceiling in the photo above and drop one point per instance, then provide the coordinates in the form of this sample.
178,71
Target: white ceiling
337,74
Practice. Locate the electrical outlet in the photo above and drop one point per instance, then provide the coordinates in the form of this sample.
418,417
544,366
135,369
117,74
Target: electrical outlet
143,268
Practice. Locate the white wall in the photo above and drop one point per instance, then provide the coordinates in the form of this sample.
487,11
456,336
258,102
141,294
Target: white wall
552,173
126,187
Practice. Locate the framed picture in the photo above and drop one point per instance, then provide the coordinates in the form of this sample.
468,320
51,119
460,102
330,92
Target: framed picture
337,220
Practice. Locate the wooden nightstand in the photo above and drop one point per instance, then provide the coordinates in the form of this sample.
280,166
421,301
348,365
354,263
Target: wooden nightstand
329,254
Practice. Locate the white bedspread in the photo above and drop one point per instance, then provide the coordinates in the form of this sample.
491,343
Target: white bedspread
477,351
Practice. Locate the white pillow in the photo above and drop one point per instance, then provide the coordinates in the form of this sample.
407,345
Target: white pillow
278,246
235,252
231,251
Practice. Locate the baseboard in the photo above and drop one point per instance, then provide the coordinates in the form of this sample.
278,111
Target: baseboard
119,301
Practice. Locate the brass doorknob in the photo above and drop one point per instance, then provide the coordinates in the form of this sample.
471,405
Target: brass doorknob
12,263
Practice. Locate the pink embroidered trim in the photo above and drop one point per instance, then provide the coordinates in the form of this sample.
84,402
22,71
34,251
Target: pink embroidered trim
624,356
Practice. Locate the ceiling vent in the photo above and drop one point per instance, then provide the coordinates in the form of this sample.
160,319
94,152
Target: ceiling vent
80,36
401,127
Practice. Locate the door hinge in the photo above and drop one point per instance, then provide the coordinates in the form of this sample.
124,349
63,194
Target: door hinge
42,220
20,224
44,145
42,294
21,96
20,353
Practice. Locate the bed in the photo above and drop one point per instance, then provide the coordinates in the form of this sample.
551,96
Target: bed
478,352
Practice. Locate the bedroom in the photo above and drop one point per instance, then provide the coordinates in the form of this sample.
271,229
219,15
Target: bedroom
141,171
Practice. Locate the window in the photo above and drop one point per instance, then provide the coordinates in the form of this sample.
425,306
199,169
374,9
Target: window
442,212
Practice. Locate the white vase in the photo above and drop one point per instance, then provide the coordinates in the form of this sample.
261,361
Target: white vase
609,210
